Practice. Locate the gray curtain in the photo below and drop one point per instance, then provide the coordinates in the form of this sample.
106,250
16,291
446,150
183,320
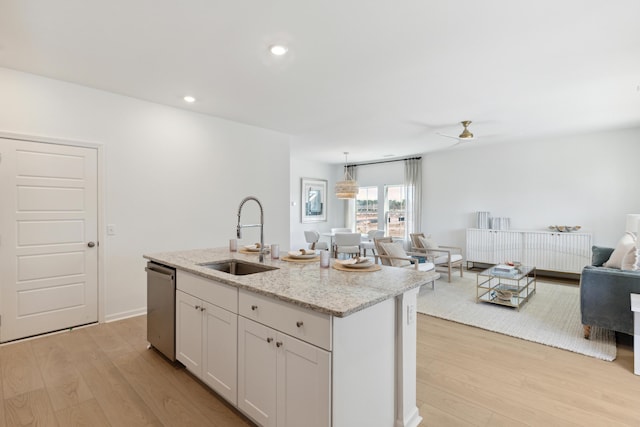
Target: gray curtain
413,198
350,204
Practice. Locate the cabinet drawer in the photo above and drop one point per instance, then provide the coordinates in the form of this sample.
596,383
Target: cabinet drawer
213,292
299,322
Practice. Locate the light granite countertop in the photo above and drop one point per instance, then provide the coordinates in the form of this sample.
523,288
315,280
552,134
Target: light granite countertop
326,290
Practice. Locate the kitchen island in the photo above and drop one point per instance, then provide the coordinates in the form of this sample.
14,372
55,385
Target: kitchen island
300,345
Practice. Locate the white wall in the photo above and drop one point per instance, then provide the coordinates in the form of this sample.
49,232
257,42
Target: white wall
173,179
588,180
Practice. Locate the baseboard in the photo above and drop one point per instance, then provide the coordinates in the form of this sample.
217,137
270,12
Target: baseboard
125,314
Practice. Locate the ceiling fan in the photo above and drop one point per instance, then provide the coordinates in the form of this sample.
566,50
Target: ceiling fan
465,136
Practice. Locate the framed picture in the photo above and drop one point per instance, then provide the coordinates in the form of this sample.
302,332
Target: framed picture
314,200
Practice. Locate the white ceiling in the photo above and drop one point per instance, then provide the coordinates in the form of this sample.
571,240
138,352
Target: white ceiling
371,77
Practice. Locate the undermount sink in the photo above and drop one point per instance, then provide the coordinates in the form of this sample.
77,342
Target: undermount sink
237,267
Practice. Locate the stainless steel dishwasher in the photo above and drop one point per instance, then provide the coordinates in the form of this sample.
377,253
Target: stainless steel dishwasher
161,308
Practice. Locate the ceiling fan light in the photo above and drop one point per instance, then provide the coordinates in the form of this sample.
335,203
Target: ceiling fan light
466,134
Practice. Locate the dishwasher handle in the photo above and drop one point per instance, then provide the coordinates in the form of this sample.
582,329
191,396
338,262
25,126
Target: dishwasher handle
168,274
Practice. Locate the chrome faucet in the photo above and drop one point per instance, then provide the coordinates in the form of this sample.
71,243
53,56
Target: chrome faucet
261,225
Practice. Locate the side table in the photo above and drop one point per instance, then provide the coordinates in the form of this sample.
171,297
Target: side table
635,307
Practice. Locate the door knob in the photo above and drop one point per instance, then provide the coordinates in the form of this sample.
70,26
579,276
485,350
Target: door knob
91,244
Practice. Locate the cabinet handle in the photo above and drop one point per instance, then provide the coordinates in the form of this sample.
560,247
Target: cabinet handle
278,344
254,307
269,339
202,309
197,307
299,323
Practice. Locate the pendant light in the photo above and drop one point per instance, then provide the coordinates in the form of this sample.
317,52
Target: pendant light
348,187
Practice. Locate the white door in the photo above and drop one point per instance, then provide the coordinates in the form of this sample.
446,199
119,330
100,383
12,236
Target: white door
48,237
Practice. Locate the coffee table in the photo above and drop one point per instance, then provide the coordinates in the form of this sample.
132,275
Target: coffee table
512,289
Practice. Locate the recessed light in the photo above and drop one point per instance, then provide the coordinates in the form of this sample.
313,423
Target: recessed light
189,99
278,49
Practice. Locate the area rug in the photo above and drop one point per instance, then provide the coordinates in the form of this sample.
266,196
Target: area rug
550,317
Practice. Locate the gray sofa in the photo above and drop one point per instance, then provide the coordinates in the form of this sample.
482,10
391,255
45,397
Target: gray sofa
605,294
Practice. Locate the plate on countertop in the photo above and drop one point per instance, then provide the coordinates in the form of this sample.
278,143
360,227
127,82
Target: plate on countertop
300,255
352,263
255,248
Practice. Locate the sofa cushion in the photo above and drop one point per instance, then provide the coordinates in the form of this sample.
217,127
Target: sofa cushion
623,247
600,255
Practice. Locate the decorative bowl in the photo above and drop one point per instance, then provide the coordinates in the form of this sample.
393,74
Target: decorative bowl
565,228
504,295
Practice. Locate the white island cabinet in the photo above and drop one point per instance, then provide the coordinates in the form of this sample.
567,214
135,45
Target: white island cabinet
283,381
206,332
298,345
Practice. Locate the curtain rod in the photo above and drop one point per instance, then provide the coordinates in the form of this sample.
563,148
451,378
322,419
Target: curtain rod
384,161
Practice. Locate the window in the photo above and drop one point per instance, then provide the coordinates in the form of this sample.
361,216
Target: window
367,209
394,210
369,217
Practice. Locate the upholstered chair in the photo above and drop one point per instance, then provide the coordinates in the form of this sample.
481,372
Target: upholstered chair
447,257
367,243
347,243
392,254
313,239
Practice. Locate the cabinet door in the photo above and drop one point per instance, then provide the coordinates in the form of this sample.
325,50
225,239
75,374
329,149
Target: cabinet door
563,252
257,371
507,246
220,358
480,245
303,384
189,332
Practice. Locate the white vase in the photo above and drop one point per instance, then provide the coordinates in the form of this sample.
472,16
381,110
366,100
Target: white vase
482,219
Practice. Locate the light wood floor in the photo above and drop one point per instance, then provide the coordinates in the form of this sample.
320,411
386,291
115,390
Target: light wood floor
104,375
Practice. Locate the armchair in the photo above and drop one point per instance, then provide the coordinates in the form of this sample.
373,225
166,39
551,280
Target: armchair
442,256
605,294
392,254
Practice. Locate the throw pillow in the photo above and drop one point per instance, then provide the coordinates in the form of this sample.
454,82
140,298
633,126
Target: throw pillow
396,250
622,248
600,255
428,242
630,260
